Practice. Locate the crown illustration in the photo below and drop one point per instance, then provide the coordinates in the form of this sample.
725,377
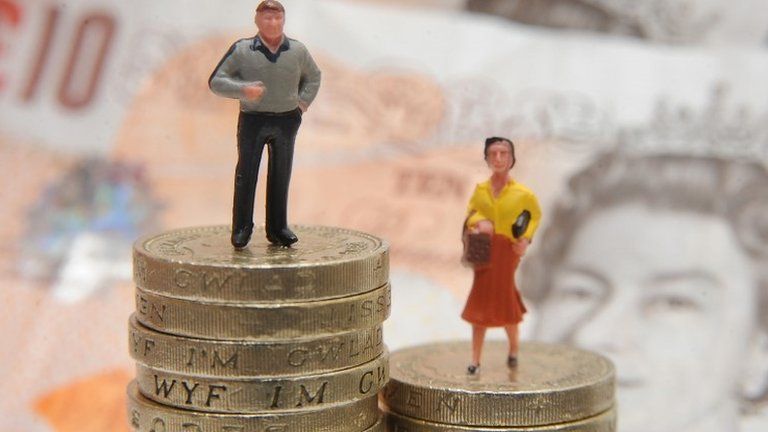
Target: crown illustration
719,129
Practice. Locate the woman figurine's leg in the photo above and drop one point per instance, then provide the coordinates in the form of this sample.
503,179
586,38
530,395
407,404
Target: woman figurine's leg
513,334
478,336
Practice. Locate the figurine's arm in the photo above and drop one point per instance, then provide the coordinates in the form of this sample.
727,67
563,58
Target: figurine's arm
477,219
310,81
225,80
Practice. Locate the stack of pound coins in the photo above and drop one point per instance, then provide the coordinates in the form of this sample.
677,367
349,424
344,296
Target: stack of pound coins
553,388
265,338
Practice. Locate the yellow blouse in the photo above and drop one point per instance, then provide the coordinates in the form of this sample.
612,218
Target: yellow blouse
504,209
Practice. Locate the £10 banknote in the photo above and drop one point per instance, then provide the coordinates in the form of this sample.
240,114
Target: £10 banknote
109,131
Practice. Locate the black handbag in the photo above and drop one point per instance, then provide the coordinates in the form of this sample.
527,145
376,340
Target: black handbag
521,224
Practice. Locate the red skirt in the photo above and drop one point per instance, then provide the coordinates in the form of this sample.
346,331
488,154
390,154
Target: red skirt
494,300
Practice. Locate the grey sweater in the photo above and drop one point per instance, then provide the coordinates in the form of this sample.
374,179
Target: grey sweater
289,76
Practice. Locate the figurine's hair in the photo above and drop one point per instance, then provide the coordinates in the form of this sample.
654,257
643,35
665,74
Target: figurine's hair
729,189
493,140
270,5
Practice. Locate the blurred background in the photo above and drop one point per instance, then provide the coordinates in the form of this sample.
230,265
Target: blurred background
642,125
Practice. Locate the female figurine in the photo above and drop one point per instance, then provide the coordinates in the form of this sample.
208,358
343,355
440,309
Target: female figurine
509,213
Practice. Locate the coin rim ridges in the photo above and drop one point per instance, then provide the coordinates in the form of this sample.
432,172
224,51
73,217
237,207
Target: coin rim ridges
233,405
171,352
223,321
601,422
333,279
137,401
489,408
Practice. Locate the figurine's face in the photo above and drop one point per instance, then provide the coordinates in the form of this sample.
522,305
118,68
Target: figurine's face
270,24
499,157
669,296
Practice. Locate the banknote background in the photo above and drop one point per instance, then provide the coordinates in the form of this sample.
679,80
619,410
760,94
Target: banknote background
108,131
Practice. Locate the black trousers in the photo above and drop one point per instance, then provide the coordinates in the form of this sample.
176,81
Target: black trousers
278,132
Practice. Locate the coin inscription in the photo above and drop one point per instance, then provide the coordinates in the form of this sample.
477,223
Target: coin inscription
262,339
552,384
145,415
253,358
254,395
200,264
264,321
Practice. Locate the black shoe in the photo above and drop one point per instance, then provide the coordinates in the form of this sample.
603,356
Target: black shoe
283,237
241,237
512,361
473,368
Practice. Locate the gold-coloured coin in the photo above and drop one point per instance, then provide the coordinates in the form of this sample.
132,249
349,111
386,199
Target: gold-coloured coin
262,394
253,358
551,384
145,415
262,321
605,422
201,264
380,426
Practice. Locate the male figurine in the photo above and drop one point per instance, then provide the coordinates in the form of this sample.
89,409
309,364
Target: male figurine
275,79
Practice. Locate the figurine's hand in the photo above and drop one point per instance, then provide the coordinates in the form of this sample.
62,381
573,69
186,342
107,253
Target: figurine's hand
253,92
303,106
485,227
520,246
